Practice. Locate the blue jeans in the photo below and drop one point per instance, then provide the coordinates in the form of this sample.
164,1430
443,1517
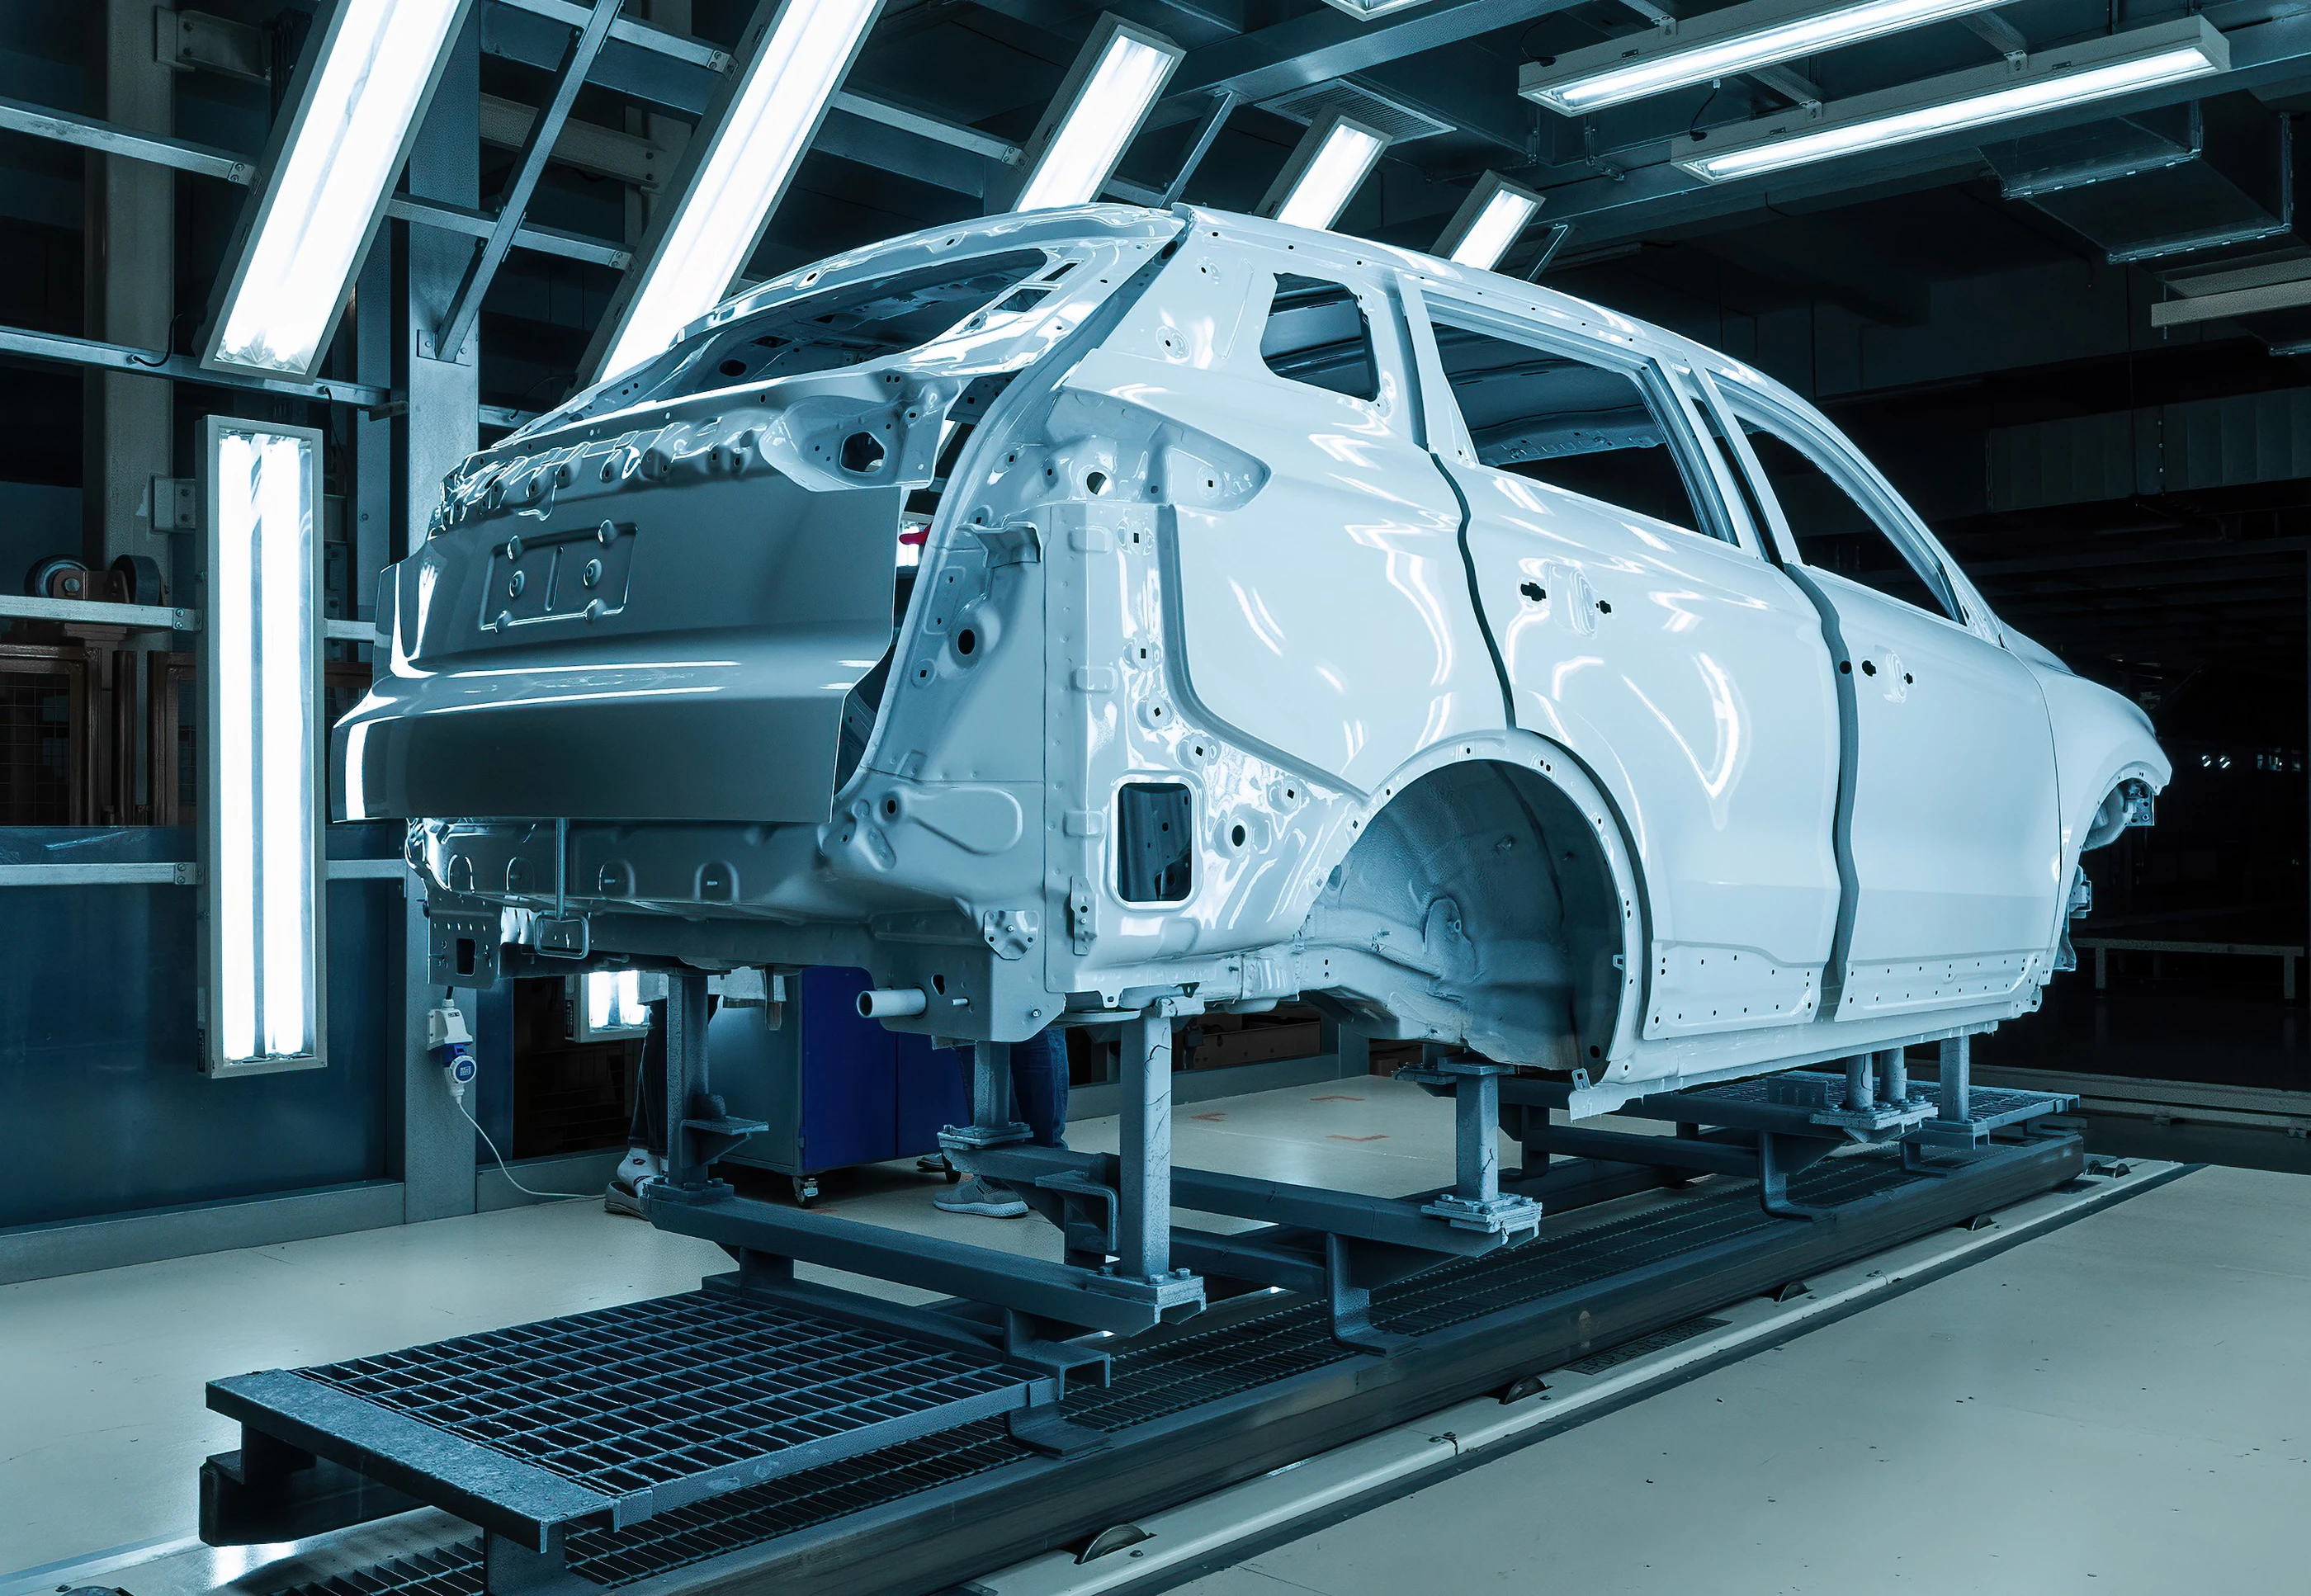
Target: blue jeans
1039,1085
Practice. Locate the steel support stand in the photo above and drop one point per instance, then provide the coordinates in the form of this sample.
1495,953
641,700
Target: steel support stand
1858,1093
992,1121
1893,1076
1144,1226
1475,1201
1957,1090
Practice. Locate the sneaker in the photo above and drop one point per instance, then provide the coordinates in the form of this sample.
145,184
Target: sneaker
983,1197
623,1194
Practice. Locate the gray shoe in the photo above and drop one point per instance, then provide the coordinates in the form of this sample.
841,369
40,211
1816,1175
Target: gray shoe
978,1195
621,1197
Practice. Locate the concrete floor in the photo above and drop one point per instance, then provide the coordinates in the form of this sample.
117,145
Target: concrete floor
2122,1406
2125,1404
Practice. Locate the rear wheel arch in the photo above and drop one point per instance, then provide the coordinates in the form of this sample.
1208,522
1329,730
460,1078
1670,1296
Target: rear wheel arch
1492,898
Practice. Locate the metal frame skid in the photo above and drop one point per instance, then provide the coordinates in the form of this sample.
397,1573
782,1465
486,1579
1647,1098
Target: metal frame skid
1771,1127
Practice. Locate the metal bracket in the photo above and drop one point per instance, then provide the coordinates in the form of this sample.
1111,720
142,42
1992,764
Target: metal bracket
464,948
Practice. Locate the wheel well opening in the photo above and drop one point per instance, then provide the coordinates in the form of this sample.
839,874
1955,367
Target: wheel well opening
1479,906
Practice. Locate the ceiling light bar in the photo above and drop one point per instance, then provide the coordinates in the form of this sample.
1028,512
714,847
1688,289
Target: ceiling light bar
1105,96
2098,69
1487,223
768,111
1327,168
261,767
1738,39
328,173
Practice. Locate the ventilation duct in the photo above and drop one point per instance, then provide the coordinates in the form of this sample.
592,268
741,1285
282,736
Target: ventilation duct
1392,118
2179,180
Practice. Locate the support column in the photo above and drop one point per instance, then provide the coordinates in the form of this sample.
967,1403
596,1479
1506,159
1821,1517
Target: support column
1893,1077
1475,1202
1956,1086
131,292
689,1087
1144,1225
990,1086
438,430
128,431
1858,1093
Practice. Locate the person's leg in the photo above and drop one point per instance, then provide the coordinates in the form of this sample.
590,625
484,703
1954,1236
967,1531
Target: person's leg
1039,1082
645,1156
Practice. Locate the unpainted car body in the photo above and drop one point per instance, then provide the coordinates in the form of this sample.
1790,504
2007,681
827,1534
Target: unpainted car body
1295,617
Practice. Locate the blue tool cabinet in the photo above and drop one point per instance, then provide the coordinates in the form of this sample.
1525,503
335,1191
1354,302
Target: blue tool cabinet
834,1089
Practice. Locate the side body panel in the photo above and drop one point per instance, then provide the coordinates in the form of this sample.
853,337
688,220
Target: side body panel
1691,677
1326,618
1953,829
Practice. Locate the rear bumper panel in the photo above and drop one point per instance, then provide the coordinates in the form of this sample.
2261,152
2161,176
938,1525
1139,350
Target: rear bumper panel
700,675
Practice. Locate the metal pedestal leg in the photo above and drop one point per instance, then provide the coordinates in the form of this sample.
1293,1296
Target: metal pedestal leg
992,1124
688,1087
699,1128
1859,1094
1476,1202
1957,1090
1144,1226
1893,1077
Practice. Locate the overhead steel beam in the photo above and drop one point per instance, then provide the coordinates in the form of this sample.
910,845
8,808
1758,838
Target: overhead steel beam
1324,44
570,13
28,345
477,224
90,133
679,75
1224,102
39,121
529,166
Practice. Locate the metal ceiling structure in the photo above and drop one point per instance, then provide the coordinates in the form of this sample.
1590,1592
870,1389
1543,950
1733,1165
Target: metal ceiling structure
1887,271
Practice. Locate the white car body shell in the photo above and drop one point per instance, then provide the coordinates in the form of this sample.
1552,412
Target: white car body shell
1697,811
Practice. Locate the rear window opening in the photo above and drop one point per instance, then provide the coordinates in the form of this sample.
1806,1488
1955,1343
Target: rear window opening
833,329
857,323
1317,333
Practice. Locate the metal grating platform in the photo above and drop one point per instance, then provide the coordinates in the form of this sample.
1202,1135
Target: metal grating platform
604,1419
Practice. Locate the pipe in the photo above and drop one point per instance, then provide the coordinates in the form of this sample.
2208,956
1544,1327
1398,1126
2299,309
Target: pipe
891,1003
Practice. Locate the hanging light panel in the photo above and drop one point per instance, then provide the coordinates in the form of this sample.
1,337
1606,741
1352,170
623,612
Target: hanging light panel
261,876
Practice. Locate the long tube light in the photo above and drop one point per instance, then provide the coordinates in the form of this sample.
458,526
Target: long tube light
1487,223
2098,69
261,817
770,111
1106,95
1326,168
328,174
1738,39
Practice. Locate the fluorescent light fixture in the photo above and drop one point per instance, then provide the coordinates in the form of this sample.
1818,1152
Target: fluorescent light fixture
328,174
1738,39
769,110
1331,161
1487,223
2098,69
1105,98
261,816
